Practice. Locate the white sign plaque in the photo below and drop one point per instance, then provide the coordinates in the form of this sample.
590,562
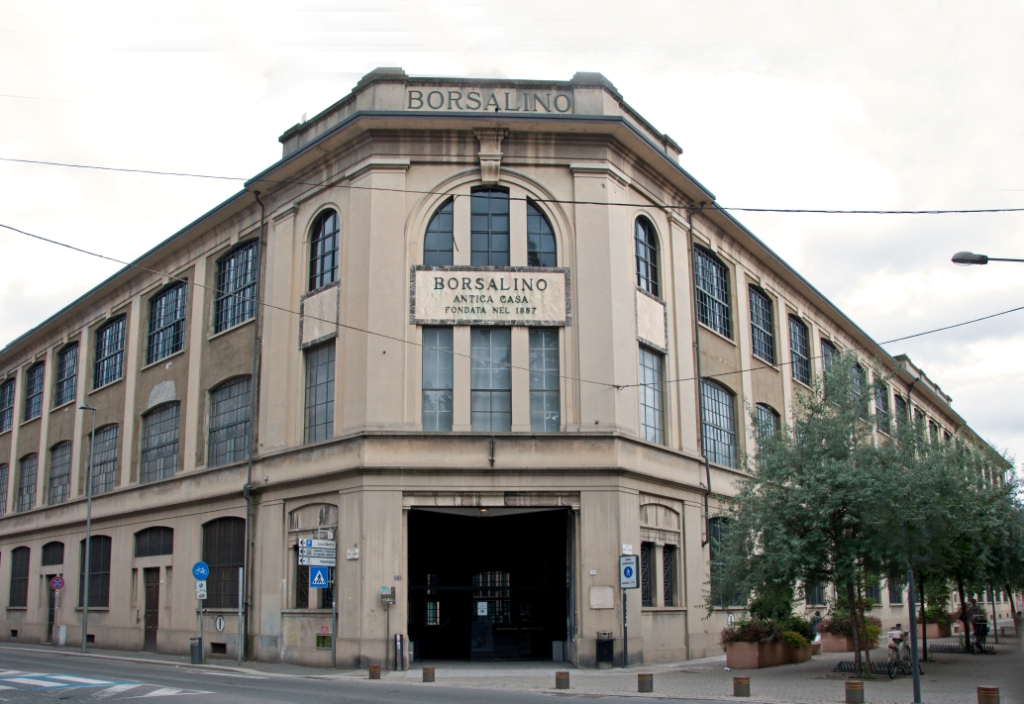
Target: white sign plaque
481,608
352,554
312,543
462,295
318,561
201,589
317,552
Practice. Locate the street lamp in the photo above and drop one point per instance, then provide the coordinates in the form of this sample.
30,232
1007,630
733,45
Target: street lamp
968,258
88,529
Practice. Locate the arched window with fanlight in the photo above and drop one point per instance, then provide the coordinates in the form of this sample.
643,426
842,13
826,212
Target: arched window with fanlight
437,243
541,249
323,250
646,244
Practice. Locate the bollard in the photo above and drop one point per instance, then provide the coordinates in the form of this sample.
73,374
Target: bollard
854,691
741,686
562,679
988,695
428,674
374,672
645,682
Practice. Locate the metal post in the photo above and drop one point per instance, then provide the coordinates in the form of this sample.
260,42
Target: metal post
387,635
88,529
202,646
913,635
241,587
625,631
334,622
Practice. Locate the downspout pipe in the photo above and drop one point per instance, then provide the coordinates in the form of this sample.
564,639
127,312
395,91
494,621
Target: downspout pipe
700,398
253,408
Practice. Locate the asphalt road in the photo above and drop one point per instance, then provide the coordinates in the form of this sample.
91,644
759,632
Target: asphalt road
42,677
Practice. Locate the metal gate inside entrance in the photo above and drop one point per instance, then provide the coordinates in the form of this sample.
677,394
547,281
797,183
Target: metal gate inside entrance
488,584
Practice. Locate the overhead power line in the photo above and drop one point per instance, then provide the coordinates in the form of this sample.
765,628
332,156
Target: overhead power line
694,208
412,343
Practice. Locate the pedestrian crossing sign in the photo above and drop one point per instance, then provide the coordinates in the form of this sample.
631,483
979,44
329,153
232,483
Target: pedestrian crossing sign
318,577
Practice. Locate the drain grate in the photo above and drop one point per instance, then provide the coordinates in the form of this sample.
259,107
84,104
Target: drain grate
877,668
956,648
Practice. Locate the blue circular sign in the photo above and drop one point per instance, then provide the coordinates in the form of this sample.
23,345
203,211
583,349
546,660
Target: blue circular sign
200,570
628,571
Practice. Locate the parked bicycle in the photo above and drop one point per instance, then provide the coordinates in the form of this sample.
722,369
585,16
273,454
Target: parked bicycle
899,654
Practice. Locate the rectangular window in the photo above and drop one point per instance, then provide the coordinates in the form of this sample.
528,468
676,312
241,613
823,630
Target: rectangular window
814,594
34,391
718,423
322,598
900,409
882,418
437,379
160,443
652,416
319,420
223,551
154,541
860,398
60,473
99,572
489,228
166,323
3,489
6,405
712,279
723,594
762,325
896,593
829,355
236,287
27,482
53,554
933,430
67,374
433,613
668,574
20,561
109,353
647,574
873,590
798,348
229,423
545,404
104,460
491,379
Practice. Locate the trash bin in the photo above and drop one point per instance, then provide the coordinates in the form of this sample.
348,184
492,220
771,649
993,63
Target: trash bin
195,649
605,649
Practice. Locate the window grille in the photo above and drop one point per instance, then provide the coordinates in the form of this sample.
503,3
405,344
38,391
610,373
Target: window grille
799,350
540,239
762,325
6,405
60,473
20,560
236,287
712,279
166,323
494,588
491,379
489,228
814,594
545,404
829,355
896,593
668,574
104,460
154,541
99,572
718,423
437,244
768,420
437,379
646,574
229,422
882,418
160,443
859,381
652,416
433,616
323,251
27,482
302,590
873,591
67,374
109,353
223,551
722,593
900,409
319,422
34,391
646,244
3,489
53,553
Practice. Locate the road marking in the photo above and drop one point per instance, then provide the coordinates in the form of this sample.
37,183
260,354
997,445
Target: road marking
79,680
116,689
10,673
163,692
37,683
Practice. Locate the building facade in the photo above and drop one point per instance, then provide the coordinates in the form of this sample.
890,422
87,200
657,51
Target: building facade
486,335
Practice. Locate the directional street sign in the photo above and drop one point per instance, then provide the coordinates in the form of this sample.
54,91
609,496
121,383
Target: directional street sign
200,589
312,543
628,569
200,570
318,577
318,561
317,552
57,582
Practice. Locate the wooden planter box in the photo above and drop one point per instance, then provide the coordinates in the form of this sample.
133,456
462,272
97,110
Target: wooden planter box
839,644
752,656
935,630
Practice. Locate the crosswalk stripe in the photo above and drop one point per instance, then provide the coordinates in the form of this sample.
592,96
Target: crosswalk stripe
37,683
162,692
78,680
2,687
116,689
5,673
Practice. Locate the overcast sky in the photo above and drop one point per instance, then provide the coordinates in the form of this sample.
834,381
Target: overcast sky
865,105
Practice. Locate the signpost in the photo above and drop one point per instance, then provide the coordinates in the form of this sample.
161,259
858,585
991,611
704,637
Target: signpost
629,568
201,571
56,584
320,555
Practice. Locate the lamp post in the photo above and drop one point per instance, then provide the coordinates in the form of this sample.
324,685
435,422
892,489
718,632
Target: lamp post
88,529
969,258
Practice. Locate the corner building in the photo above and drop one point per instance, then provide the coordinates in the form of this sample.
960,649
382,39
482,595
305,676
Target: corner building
501,338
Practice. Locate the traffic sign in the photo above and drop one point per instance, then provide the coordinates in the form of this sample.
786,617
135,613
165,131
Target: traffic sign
317,552
200,570
318,561
200,589
318,577
628,568
57,582
313,543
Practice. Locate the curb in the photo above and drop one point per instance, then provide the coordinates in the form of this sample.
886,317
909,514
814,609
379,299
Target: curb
145,661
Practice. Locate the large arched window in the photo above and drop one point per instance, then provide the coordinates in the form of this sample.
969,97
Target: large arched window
437,243
224,552
166,323
99,572
718,423
323,250
236,287
541,249
104,460
646,256
53,553
160,443
60,473
154,541
489,227
712,282
20,558
229,422
109,364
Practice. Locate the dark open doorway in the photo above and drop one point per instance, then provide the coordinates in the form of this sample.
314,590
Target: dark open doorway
488,585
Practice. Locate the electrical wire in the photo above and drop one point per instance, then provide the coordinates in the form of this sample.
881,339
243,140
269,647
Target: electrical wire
559,201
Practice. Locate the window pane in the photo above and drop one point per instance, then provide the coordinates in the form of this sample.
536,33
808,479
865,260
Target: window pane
828,355
489,228
160,443
320,392
718,423
223,551
882,418
437,379
3,489
540,240
646,574
712,281
668,571
6,405
229,422
109,353
491,379
166,323
99,572
27,482
652,421
646,246
60,473
236,287
798,347
34,391
545,405
20,561
437,244
53,554
154,541
323,251
762,326
67,374
104,462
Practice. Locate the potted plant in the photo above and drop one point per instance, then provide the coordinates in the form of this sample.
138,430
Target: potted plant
757,643
837,632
